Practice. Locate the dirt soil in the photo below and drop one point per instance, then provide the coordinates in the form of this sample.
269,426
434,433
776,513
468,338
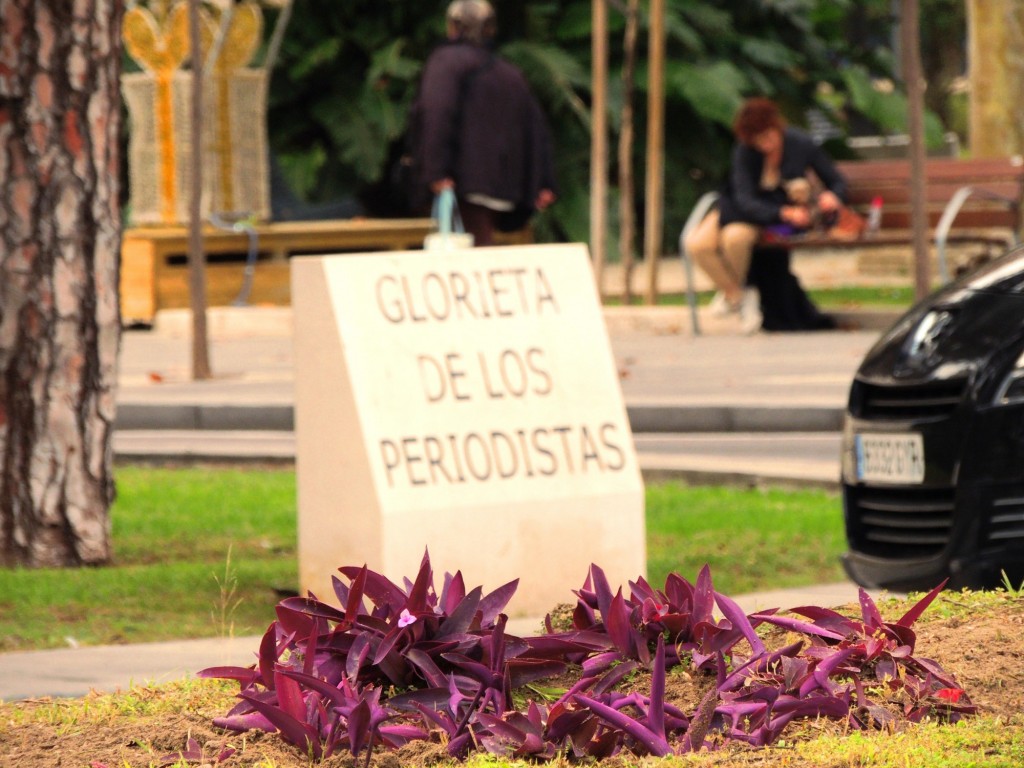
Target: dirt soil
984,649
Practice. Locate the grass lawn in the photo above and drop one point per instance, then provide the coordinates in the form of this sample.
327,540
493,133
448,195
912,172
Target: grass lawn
887,297
208,552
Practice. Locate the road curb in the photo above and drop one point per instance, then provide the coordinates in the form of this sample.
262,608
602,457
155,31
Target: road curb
643,419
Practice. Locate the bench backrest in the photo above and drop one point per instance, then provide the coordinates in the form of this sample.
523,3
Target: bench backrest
1001,181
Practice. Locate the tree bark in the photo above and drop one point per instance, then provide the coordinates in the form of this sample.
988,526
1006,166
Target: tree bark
60,236
995,32
911,45
654,198
627,214
599,140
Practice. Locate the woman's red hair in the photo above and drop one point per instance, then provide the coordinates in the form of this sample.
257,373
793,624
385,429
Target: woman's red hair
756,116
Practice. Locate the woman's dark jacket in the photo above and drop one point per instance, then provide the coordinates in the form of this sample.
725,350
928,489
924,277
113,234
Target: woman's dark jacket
744,199
475,121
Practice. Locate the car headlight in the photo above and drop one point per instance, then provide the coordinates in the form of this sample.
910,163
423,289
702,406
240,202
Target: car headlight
1012,389
923,342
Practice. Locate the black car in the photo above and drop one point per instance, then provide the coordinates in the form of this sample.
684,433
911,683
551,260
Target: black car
933,442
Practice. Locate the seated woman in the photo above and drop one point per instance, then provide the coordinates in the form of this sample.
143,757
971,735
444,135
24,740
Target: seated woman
769,158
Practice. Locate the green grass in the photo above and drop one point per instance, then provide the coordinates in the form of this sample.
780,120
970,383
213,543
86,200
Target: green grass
202,552
882,297
173,531
752,539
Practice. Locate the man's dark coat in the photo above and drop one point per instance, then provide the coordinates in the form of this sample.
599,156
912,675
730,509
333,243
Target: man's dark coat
476,122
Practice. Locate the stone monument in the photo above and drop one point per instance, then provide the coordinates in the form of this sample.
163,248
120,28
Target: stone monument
466,403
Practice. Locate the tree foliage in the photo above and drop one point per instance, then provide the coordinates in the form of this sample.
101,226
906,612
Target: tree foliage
348,73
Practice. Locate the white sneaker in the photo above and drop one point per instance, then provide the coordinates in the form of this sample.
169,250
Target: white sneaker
750,311
719,306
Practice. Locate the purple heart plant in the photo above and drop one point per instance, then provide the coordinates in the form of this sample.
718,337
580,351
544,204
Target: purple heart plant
398,663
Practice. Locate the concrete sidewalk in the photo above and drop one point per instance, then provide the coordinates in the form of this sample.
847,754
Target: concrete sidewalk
676,387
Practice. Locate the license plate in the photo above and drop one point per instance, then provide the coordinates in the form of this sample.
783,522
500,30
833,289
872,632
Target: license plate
890,458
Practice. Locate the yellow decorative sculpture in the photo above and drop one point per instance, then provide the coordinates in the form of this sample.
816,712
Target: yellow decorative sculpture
159,103
240,43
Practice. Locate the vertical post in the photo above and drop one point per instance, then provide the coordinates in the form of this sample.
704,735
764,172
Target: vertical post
627,214
599,139
654,196
196,258
910,37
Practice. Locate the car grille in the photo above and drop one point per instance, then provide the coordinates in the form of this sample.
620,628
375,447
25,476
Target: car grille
1006,518
917,401
899,522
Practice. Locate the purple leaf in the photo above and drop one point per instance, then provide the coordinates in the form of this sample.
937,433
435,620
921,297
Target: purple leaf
427,667
354,604
307,606
245,676
583,616
387,643
679,592
616,622
268,656
431,698
474,669
460,619
656,712
378,589
919,607
602,591
289,695
641,590
295,731
617,674
453,592
795,625
357,655
360,730
869,610
735,614
525,671
821,673
398,735
336,696
247,722
494,602
654,744
703,598
557,646
417,602
829,619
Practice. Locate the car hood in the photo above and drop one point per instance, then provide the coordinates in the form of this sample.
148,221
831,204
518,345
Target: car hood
956,332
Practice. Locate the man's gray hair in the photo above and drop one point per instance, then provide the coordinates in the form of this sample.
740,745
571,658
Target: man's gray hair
472,20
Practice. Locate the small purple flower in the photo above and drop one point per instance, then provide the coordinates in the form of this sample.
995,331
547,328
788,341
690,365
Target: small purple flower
405,618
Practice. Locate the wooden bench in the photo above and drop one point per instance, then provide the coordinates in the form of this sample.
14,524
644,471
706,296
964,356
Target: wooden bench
967,201
154,263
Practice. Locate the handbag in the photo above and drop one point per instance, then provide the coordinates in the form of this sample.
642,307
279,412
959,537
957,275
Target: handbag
450,232
848,225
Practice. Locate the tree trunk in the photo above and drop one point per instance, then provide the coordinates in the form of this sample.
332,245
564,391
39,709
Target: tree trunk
654,198
627,214
914,83
995,32
599,140
60,235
